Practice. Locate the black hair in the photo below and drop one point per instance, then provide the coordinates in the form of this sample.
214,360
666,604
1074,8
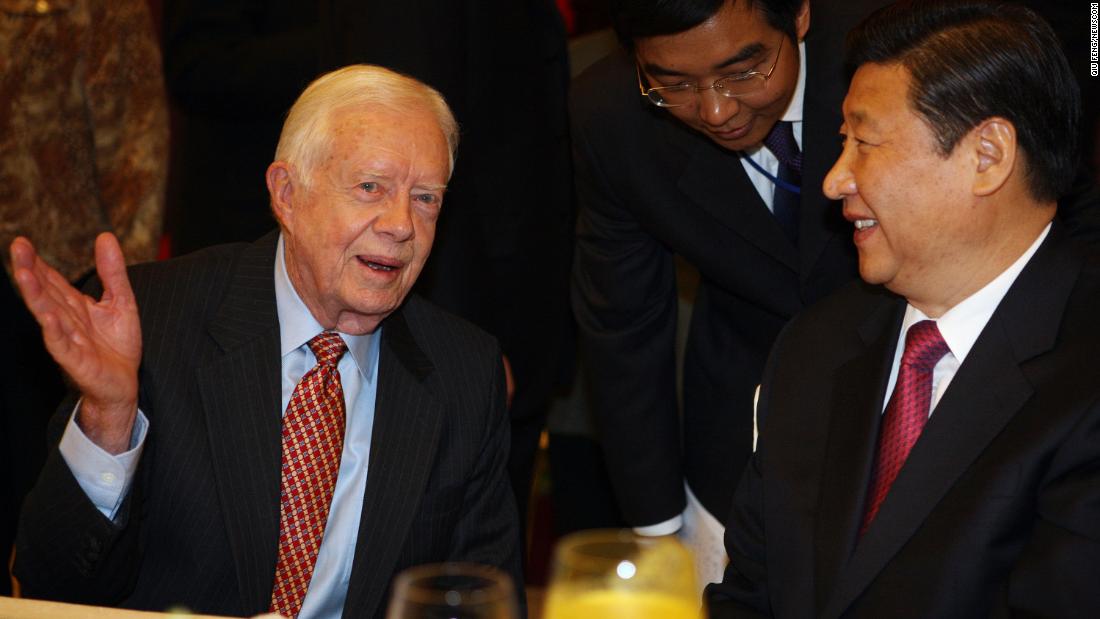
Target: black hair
972,60
638,19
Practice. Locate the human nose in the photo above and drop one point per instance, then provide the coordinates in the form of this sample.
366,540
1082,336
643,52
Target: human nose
839,182
395,220
715,109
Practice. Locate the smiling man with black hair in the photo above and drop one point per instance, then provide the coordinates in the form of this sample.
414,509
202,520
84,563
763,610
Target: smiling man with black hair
929,440
671,158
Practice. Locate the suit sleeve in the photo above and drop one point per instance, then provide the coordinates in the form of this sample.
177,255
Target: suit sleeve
624,300
1056,574
743,592
66,549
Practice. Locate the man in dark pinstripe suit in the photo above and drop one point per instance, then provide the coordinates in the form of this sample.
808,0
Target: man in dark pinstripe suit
164,488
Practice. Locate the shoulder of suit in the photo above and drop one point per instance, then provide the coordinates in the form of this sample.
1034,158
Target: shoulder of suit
214,258
200,277
841,312
441,333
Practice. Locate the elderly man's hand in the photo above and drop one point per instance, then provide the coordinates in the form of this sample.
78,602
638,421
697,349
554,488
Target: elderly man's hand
97,343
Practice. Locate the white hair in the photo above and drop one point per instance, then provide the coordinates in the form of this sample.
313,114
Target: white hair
305,139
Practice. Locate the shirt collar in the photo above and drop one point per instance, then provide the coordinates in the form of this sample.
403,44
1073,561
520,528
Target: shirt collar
297,324
793,113
962,324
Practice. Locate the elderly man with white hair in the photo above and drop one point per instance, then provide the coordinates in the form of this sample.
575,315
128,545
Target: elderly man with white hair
278,425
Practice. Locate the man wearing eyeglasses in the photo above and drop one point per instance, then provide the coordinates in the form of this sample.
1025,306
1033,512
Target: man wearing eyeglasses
671,159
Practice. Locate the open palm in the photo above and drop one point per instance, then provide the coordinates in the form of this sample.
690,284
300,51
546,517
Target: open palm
97,343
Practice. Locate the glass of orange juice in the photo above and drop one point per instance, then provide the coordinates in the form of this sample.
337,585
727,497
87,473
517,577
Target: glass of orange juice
616,574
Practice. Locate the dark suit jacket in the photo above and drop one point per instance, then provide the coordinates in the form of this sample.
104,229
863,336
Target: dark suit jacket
503,240
997,509
200,525
649,188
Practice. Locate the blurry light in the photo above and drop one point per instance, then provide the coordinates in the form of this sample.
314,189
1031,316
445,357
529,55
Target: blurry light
626,570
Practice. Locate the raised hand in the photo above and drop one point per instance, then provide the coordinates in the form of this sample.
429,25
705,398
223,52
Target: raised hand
97,343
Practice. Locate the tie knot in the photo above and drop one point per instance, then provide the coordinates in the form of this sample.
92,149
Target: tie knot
780,140
924,346
328,347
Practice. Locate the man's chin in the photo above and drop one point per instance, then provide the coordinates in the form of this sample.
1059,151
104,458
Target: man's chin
365,316
871,273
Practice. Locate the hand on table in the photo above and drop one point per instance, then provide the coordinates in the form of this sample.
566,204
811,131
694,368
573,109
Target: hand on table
97,343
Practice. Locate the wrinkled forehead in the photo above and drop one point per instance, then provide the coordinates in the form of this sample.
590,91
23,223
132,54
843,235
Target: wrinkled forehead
413,124
393,142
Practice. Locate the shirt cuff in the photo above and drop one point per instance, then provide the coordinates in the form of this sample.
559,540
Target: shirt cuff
105,478
668,527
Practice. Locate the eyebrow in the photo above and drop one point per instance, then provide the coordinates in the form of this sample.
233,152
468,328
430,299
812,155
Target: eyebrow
861,118
380,175
745,53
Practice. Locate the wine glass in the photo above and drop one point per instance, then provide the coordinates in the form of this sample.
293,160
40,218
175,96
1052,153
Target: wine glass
616,574
452,591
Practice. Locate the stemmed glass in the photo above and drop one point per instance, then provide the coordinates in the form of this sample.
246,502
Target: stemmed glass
452,591
618,575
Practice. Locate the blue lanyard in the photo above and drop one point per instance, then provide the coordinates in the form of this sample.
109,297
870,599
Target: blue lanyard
795,189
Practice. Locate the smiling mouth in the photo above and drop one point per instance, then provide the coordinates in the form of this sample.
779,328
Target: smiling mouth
864,224
379,266
734,132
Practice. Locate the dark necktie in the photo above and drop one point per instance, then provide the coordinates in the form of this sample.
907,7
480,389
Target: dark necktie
907,411
313,438
785,204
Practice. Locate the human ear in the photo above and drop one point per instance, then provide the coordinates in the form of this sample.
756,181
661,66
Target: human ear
996,154
281,186
802,20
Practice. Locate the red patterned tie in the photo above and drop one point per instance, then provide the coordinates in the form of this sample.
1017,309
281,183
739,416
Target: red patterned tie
313,437
907,411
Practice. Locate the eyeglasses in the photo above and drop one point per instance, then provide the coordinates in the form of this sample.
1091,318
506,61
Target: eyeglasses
735,85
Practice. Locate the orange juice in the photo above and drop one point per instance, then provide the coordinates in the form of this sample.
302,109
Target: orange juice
621,604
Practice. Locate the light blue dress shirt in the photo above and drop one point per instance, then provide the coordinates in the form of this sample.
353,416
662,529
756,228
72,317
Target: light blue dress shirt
106,478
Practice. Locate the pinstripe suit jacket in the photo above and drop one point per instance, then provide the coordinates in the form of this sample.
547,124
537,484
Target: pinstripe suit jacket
199,527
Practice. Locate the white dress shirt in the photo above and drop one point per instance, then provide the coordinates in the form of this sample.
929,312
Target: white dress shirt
960,326
106,478
764,157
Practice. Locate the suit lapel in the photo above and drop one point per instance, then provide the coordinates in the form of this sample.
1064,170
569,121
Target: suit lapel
852,438
716,181
407,424
988,390
240,391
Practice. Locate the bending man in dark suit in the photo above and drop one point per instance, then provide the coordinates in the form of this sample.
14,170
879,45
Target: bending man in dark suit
165,489
676,172
930,439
